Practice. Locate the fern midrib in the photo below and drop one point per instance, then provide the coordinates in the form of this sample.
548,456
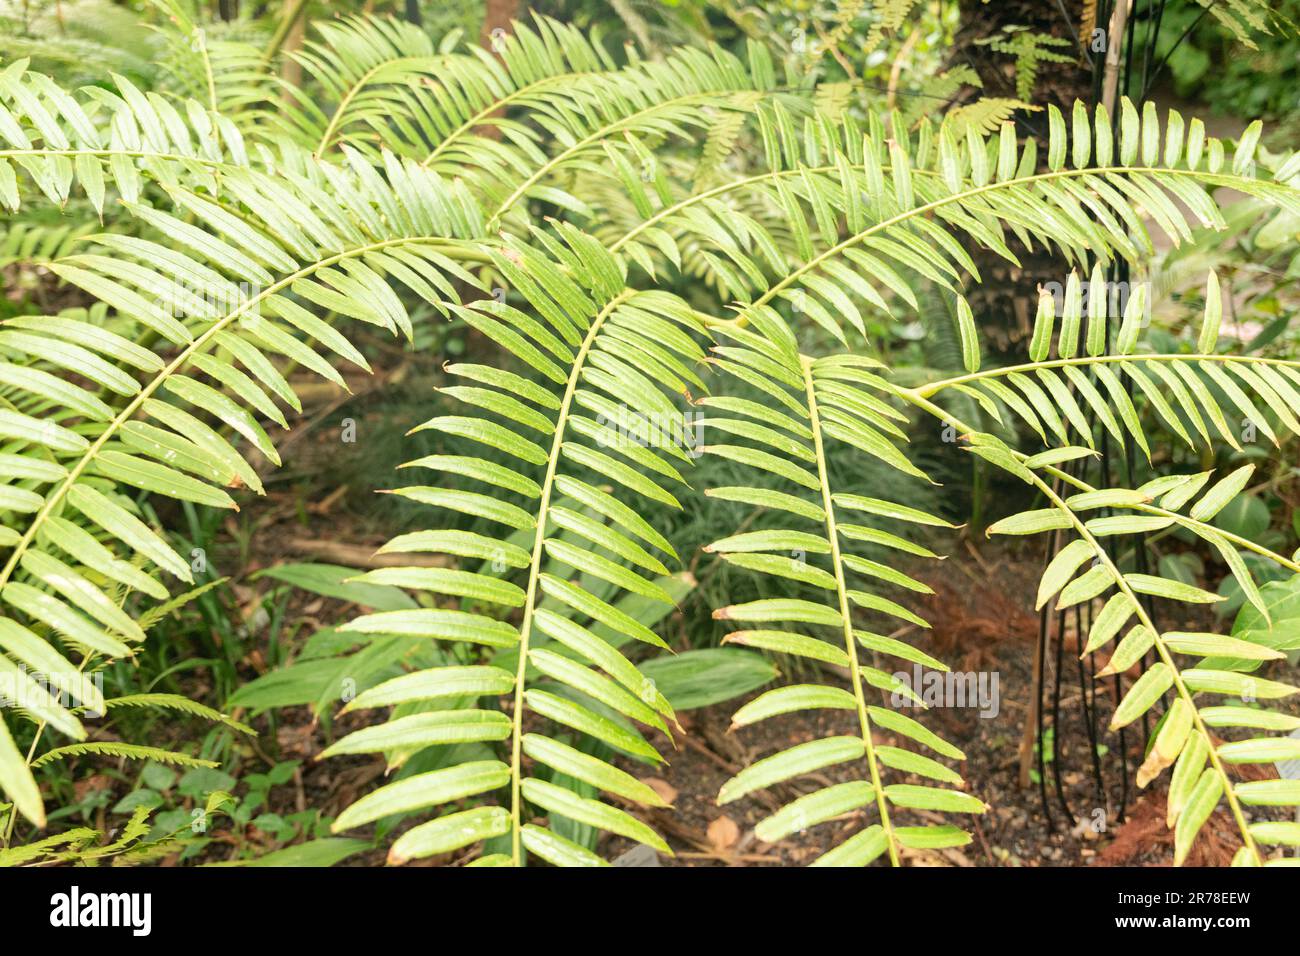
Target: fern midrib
928,391
209,78
1204,529
535,573
846,612
496,105
735,186
1200,528
354,91
1144,619
594,137
959,197
130,153
74,474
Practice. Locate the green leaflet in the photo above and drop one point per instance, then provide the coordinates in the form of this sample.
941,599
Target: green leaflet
424,790
1213,319
793,697
423,730
1222,492
814,808
792,762
1031,522
17,782
1146,690
1202,800
449,832
970,348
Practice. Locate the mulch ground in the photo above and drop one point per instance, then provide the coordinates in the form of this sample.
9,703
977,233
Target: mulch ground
983,623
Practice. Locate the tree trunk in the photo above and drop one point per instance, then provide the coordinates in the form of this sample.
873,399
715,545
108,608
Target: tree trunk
1004,303
497,16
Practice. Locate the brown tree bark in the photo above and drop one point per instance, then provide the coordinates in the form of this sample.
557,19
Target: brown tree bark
1005,301
497,15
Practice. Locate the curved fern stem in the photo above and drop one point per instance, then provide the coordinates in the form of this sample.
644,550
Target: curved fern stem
535,571
1201,528
341,110
962,196
200,43
846,613
593,137
128,153
1166,657
930,390
496,105
736,185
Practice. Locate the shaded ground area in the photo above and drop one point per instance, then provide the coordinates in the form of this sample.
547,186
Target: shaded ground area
983,625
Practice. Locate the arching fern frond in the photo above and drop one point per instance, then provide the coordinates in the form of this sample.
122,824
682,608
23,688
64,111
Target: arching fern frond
595,411
179,704
472,120
1221,665
643,103
125,751
904,201
1084,571
1244,18
205,63
1062,398
99,137
903,224
181,377
818,401
366,69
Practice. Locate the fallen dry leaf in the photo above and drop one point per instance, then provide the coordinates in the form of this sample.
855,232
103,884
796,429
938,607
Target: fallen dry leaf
667,792
723,833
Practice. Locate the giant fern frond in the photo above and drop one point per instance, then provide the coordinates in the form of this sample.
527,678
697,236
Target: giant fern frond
903,224
818,401
1084,571
98,137
205,63
1221,665
181,380
1058,395
600,350
536,68
901,200
366,69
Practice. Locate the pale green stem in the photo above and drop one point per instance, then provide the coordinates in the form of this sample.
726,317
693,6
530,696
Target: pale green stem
846,611
928,391
534,576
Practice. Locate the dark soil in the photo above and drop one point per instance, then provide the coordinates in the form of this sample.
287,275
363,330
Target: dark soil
983,623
